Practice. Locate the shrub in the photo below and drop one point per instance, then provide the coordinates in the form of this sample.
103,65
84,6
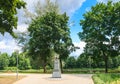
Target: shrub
10,69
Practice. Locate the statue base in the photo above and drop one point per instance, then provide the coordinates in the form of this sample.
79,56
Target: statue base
56,74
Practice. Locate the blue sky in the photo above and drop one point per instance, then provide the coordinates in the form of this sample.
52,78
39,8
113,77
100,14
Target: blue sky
77,16
75,10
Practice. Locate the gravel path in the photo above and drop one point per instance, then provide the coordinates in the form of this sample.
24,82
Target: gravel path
46,79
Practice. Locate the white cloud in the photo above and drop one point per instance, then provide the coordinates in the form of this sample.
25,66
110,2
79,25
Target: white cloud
7,44
70,6
88,9
3,46
78,51
105,1
21,28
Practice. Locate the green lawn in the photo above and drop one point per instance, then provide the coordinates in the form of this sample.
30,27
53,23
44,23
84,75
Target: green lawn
83,70
79,70
110,78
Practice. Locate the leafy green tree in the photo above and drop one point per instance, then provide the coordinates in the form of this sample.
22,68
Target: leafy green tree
101,27
70,62
4,60
23,62
13,59
116,61
8,18
40,9
49,32
110,62
84,61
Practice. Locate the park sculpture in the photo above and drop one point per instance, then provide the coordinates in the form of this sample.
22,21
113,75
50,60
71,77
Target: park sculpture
56,70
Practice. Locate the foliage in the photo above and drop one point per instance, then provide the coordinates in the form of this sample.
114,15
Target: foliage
24,62
23,38
49,33
70,63
4,60
8,18
11,69
101,27
97,80
13,59
41,9
85,61
105,78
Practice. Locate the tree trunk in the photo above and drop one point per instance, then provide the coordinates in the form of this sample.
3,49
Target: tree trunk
44,67
61,65
106,62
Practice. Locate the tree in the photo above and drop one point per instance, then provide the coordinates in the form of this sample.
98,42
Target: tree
70,63
8,18
24,62
13,59
116,61
101,27
49,32
84,61
4,60
41,9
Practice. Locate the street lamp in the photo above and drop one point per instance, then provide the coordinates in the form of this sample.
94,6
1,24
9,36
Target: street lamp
17,52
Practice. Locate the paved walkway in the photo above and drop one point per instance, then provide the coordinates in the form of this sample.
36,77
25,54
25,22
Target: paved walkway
46,79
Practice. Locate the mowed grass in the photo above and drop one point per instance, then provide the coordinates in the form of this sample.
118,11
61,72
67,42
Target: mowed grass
9,79
74,70
110,78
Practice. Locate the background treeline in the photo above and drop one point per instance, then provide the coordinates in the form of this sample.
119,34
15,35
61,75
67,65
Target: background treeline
83,61
11,61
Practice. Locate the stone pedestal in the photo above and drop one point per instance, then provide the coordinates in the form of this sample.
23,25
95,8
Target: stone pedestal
56,70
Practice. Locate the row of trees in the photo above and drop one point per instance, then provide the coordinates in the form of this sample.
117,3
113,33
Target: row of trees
84,61
49,33
11,61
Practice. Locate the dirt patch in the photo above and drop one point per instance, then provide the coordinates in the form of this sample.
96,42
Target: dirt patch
9,79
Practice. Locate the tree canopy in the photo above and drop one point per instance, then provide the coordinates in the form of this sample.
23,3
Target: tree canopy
8,18
101,27
41,9
47,32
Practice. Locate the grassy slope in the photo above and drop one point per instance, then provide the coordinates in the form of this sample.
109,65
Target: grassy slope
106,78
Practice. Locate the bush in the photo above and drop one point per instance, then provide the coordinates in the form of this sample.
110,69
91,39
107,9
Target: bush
10,69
